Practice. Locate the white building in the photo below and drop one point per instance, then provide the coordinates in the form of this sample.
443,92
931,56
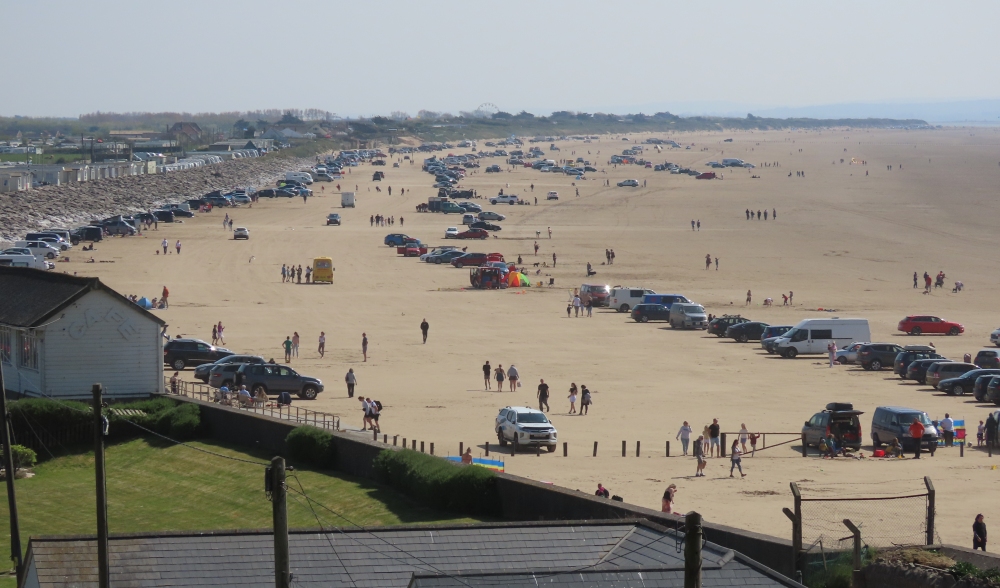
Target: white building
61,334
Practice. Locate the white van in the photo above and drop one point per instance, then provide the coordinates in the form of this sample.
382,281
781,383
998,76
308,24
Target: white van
684,315
813,335
31,261
623,298
303,177
732,162
347,199
39,248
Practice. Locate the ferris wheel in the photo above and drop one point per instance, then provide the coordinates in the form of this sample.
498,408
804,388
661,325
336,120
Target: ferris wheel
487,109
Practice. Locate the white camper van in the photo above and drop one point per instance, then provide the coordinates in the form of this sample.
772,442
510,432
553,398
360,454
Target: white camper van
347,199
732,162
303,177
813,335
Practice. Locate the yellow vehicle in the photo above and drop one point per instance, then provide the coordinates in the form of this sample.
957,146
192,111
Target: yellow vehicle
323,270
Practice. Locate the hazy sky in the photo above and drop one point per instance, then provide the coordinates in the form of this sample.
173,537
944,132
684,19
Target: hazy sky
362,58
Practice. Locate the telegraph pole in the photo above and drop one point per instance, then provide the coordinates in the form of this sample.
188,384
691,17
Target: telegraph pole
8,464
103,565
276,486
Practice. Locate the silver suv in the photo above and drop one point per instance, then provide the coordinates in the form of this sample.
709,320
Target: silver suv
525,427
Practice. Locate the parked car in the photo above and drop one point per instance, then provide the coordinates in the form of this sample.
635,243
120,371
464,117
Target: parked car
743,332
204,370
451,232
597,294
504,199
963,383
813,335
470,259
875,356
995,337
241,233
910,354
848,354
333,219
893,422
471,207
987,358
275,379
929,325
489,215
943,370
485,226
443,256
267,193
840,420
917,370
643,313
396,239
525,427
553,195
979,389
179,353
473,234
688,315
39,249
623,298
993,390
771,334
119,227
223,374
628,183
719,325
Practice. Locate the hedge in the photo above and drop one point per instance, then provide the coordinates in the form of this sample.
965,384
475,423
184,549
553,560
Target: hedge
23,457
438,483
312,446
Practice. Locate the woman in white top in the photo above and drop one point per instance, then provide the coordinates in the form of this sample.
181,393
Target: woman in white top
684,434
572,399
744,436
734,459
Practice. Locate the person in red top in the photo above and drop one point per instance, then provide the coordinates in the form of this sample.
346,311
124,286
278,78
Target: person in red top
166,293
917,432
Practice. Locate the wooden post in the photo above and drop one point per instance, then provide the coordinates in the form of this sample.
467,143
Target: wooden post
413,444
432,447
421,446
565,449
385,438
764,441
103,560
857,543
396,438
487,449
595,448
805,448
538,450
930,509
623,449
692,550
405,446
461,448
8,463
668,448
961,449
279,514
722,445
796,527
374,434
637,448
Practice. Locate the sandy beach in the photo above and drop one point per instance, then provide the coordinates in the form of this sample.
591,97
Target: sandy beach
844,239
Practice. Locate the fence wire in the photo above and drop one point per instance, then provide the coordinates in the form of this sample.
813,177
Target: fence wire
884,521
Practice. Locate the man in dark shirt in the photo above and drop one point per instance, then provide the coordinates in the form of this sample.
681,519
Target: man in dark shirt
979,533
424,327
487,372
543,395
714,449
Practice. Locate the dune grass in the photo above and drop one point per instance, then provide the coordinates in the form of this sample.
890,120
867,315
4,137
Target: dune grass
154,487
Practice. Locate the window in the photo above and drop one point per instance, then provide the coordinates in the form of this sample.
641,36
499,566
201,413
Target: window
822,333
6,340
796,335
635,293
27,343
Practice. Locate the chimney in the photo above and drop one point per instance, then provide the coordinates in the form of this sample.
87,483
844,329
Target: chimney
693,539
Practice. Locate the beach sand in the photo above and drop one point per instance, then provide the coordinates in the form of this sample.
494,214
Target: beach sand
842,241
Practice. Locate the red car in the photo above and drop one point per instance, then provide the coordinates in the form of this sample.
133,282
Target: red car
473,234
922,324
705,176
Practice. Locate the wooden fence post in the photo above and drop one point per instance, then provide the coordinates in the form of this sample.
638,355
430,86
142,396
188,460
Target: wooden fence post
931,495
595,448
487,449
668,448
637,448
396,438
722,445
432,448
461,448
623,448
805,448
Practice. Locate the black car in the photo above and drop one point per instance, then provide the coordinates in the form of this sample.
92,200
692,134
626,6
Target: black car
203,371
840,420
875,356
485,226
164,216
917,370
910,354
178,353
719,325
267,193
744,332
993,390
181,212
988,358
643,313
959,385
979,389
275,379
87,234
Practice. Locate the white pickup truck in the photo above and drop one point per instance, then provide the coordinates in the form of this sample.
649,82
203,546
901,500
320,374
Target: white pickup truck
505,199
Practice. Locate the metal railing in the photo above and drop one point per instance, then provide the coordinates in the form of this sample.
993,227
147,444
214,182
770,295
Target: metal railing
298,414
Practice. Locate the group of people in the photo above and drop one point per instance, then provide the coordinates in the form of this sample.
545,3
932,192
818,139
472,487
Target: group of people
218,334
292,274
510,375
708,261
582,394
166,246
938,282
378,220
708,444
577,305
750,215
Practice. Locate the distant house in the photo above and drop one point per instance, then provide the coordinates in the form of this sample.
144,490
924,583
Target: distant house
60,334
190,131
563,554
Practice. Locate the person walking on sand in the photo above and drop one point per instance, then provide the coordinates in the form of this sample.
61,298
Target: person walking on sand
979,533
590,307
917,433
749,298
744,436
550,232
831,349
295,344
667,503
164,296
512,377
322,344
499,375
572,398
734,459
364,345
692,224
367,412
716,264
612,257
543,396
284,273
914,280
536,247
585,400
424,327
165,244
699,454
215,334
487,373
576,305
699,224
708,261
287,344
221,331
684,434
178,246
553,259
351,381
714,448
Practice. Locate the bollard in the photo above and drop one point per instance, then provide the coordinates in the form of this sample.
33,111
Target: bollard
487,449
385,439
623,449
432,448
538,450
805,448
668,448
375,435
421,446
637,448
404,443
394,439
961,449
565,449
461,448
722,446
595,448
763,439
413,444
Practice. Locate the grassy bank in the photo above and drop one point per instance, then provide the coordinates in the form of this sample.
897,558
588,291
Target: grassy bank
169,487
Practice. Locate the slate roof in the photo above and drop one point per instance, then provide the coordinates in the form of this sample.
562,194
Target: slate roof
571,553
29,297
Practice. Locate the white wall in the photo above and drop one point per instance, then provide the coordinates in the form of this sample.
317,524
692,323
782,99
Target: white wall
103,339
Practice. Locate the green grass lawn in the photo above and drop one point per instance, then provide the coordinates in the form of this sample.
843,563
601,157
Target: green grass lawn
155,487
